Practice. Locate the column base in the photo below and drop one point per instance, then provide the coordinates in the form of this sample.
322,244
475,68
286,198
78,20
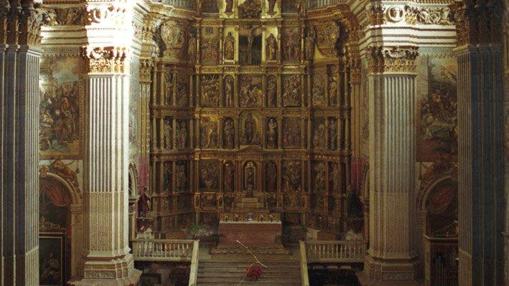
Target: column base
116,272
388,272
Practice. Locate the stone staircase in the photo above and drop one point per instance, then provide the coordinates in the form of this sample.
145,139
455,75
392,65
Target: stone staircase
229,270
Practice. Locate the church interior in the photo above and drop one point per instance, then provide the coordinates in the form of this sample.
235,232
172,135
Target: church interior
254,142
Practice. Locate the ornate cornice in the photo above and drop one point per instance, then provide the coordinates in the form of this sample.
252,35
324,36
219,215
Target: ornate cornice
105,59
410,14
478,24
393,59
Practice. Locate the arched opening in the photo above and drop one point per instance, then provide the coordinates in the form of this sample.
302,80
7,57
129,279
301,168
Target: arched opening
441,234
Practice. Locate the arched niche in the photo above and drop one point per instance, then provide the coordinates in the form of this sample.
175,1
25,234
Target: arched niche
60,223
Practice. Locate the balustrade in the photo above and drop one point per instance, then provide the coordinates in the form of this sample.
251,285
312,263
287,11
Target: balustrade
336,251
162,250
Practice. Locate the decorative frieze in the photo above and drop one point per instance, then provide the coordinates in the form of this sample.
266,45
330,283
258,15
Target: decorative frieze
105,59
379,14
393,59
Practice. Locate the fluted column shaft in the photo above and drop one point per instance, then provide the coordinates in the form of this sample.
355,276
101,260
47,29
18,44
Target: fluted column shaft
392,92
19,144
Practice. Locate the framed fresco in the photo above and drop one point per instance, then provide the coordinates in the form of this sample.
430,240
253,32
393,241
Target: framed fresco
51,259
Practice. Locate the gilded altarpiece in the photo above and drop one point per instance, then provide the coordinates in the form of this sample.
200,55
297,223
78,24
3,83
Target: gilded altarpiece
244,107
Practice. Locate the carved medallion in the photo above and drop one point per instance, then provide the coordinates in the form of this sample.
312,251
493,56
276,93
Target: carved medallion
327,36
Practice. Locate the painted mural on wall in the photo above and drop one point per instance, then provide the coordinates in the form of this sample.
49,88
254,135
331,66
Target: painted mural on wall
60,108
437,105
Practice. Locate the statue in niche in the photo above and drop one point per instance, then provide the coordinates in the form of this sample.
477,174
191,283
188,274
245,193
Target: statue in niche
168,79
319,177
250,130
291,94
272,91
229,134
229,47
209,175
319,137
181,177
191,48
310,44
272,47
333,134
272,5
167,176
182,88
228,91
209,134
182,135
229,6
250,178
335,177
333,85
168,134
229,177
210,91
319,95
291,45
292,133
292,176
251,91
271,176
272,131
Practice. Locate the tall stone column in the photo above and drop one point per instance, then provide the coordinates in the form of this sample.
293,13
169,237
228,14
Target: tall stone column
107,260
480,147
392,252
19,143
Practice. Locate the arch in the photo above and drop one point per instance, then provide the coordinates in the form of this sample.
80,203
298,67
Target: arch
133,180
422,196
72,191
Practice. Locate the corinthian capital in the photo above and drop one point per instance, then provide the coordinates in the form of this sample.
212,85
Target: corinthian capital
105,59
479,23
392,59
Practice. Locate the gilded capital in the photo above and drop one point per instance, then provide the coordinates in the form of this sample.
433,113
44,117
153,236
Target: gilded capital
478,24
399,59
105,59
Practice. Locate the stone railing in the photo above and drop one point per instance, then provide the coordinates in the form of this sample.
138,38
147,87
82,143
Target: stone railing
316,4
185,4
163,250
195,259
304,274
341,251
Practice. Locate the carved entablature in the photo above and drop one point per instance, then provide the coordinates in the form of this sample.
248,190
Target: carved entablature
113,14
105,59
478,24
72,16
393,59
379,14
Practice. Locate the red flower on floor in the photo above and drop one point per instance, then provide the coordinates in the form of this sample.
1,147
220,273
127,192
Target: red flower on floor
254,272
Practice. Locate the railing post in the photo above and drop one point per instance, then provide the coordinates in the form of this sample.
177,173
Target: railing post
193,273
303,264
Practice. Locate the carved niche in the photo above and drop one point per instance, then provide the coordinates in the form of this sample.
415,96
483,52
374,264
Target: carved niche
169,86
334,178
181,176
271,7
271,91
250,133
251,91
229,177
182,134
292,91
319,90
208,133
291,44
250,177
191,47
210,90
327,36
292,176
229,47
319,134
272,133
333,133
271,173
167,176
292,132
310,43
168,133
332,74
319,170
209,175
250,9
271,48
229,91
228,7
228,133
182,92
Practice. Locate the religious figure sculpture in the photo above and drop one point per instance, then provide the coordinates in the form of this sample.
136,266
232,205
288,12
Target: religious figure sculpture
319,177
272,91
335,177
319,137
168,133
292,133
291,45
182,135
271,176
229,134
250,178
333,85
249,130
228,91
182,90
229,6
181,177
291,94
168,79
167,180
272,133
210,91
251,91
229,177
271,48
209,135
333,134
292,176
229,47
209,175
191,48
310,44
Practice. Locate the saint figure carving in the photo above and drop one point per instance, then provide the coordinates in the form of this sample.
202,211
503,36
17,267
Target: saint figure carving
271,175
228,91
229,6
168,134
272,5
271,48
272,133
271,91
229,177
249,130
250,178
229,47
229,134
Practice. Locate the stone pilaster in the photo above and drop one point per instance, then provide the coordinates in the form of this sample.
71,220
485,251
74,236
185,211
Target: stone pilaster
107,260
480,147
19,143
392,251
